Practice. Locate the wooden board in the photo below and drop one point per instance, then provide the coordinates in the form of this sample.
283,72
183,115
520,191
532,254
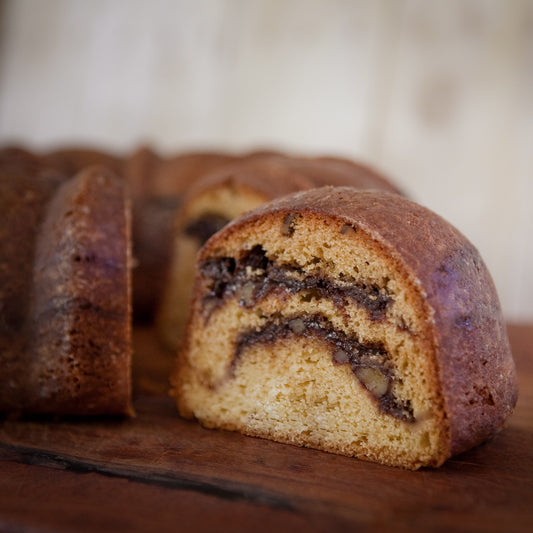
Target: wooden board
158,472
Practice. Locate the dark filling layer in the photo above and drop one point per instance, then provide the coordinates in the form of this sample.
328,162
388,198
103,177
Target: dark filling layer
254,276
204,226
370,362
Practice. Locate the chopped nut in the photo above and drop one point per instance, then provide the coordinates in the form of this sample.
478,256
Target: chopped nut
297,325
245,293
373,379
348,229
287,228
341,356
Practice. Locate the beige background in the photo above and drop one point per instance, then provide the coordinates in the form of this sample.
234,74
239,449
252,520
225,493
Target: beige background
438,94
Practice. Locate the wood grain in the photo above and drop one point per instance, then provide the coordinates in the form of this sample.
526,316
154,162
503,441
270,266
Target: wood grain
160,471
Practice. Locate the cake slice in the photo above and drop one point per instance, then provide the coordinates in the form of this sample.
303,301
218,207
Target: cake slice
354,322
65,310
230,191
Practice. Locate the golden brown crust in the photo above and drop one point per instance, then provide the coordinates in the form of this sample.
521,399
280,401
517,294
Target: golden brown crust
66,311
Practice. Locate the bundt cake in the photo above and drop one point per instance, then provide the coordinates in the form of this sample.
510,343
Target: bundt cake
65,310
354,322
227,192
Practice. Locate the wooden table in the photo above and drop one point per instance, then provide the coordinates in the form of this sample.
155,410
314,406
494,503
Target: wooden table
158,472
